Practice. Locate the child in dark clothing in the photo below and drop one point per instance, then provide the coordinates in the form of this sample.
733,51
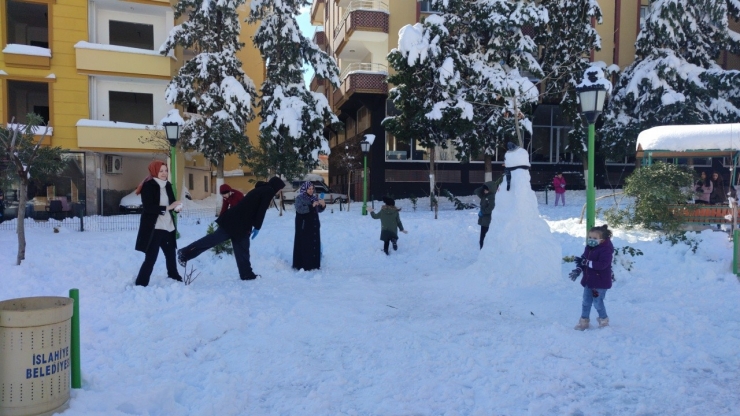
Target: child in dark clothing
390,223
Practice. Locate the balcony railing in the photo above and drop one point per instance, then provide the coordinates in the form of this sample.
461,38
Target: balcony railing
363,67
369,5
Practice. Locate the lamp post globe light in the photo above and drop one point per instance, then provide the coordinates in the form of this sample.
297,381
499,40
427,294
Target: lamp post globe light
592,93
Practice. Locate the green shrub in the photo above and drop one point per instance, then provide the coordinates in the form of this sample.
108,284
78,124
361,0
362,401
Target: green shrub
653,188
224,247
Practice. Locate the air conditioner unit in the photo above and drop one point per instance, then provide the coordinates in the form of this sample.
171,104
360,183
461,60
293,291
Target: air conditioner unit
113,164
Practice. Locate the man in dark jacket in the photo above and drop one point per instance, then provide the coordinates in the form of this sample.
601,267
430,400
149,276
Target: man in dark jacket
236,224
487,195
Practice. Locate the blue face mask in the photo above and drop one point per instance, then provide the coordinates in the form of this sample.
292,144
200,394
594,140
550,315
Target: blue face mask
592,242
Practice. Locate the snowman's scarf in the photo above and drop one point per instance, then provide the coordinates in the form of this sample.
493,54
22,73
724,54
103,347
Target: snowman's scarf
507,172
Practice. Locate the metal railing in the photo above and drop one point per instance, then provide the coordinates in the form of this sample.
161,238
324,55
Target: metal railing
362,67
371,5
124,222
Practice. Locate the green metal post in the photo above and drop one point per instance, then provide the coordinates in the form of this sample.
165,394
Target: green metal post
364,188
590,192
173,176
75,347
735,259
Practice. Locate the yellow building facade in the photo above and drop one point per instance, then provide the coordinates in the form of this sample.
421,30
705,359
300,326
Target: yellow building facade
92,70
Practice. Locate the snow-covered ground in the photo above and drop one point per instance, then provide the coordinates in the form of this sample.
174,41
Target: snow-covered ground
414,333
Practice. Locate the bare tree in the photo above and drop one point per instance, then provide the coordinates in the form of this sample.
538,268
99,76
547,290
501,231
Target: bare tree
28,159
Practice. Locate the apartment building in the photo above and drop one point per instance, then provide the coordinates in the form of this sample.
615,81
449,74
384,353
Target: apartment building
92,70
360,33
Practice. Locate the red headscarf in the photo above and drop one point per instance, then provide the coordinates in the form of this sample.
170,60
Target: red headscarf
154,167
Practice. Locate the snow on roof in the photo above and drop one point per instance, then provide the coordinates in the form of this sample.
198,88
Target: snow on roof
691,137
27,50
115,48
3,72
37,130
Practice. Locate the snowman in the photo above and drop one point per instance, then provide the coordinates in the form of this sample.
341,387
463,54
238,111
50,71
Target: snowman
520,249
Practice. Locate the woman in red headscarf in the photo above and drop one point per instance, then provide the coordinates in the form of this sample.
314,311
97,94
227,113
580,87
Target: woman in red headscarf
157,226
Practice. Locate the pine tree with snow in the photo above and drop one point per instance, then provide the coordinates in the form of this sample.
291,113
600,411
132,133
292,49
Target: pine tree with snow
427,95
293,117
565,47
675,78
212,83
501,57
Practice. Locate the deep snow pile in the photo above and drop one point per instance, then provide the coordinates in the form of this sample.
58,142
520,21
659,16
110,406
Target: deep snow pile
519,247
409,333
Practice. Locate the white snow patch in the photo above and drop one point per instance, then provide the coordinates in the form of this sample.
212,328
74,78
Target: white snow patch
27,50
691,137
115,124
115,48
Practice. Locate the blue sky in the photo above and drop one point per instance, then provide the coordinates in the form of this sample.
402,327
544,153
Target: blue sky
304,23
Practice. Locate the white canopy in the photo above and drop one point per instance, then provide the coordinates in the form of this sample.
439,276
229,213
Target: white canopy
690,138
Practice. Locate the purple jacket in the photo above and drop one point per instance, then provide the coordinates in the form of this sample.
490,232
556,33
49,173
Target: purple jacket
598,273
559,185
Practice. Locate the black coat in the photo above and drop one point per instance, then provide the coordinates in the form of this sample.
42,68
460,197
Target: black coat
150,193
250,211
307,241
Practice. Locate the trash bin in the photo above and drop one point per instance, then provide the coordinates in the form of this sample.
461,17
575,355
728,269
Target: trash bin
35,335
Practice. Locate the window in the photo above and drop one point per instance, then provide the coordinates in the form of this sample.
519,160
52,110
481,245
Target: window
395,149
190,181
549,140
205,183
28,97
644,11
133,35
28,23
426,6
131,107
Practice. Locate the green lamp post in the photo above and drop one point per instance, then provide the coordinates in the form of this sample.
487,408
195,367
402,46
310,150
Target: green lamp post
592,93
172,130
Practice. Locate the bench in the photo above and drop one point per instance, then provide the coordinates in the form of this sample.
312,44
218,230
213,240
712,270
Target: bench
699,214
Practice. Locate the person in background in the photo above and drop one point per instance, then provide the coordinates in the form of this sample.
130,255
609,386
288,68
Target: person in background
307,241
157,228
558,183
703,190
596,266
718,195
390,223
487,203
231,197
236,224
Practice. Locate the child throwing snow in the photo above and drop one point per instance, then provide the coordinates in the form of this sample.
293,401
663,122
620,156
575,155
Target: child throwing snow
596,266
558,184
390,223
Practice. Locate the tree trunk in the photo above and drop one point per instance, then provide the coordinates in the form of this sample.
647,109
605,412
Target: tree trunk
20,228
219,173
516,123
349,188
432,181
487,168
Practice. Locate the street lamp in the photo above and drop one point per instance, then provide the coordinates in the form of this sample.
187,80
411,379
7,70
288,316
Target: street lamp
365,146
592,93
172,124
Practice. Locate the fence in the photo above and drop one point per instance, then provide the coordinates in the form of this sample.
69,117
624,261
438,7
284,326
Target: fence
127,222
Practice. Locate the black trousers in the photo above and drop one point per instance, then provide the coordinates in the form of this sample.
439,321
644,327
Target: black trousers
166,241
483,232
241,251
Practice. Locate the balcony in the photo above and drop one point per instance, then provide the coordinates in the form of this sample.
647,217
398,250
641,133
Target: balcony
318,85
99,59
99,134
319,38
360,77
363,21
318,10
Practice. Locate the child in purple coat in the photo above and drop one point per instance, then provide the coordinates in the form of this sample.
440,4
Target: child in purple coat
596,266
558,184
